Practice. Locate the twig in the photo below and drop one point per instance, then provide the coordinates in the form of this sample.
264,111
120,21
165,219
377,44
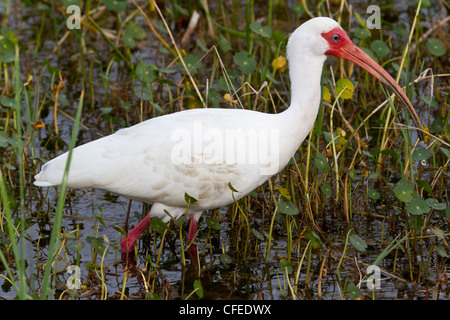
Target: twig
176,49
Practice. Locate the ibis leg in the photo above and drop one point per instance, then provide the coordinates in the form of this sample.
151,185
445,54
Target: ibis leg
127,243
191,239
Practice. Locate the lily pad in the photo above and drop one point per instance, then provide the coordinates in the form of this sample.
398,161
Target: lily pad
287,207
132,31
146,72
421,154
373,194
116,5
326,95
380,48
98,243
223,43
436,47
321,163
435,204
326,189
353,291
417,206
159,226
361,33
68,3
258,235
192,62
213,224
225,258
258,28
358,242
245,62
345,88
404,190
143,93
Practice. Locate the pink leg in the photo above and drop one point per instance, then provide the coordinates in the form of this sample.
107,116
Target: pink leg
127,243
192,236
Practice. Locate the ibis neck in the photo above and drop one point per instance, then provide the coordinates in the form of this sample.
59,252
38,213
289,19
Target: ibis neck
298,119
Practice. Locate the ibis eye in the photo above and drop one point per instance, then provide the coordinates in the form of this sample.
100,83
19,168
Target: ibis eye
335,37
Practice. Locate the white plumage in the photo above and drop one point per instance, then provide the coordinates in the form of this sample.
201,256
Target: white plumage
200,152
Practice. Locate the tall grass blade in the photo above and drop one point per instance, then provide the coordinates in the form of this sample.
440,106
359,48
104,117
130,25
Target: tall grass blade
60,205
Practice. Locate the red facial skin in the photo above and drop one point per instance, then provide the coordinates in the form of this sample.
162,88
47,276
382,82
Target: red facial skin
341,46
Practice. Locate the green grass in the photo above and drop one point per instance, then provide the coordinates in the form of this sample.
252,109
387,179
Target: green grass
359,192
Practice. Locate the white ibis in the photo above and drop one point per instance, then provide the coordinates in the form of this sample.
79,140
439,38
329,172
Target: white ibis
201,151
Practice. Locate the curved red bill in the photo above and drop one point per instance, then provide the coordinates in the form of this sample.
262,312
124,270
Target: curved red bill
341,46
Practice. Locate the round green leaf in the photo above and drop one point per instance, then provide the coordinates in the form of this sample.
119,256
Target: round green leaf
421,154
192,62
435,204
404,190
213,224
436,47
326,189
287,207
257,28
116,5
146,72
135,30
128,40
380,48
159,226
258,235
321,163
373,194
353,291
6,46
226,259
373,175
245,62
223,43
417,206
361,33
345,88
143,93
68,3
357,242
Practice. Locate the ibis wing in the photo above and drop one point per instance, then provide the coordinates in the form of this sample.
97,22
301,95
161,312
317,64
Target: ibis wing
199,152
